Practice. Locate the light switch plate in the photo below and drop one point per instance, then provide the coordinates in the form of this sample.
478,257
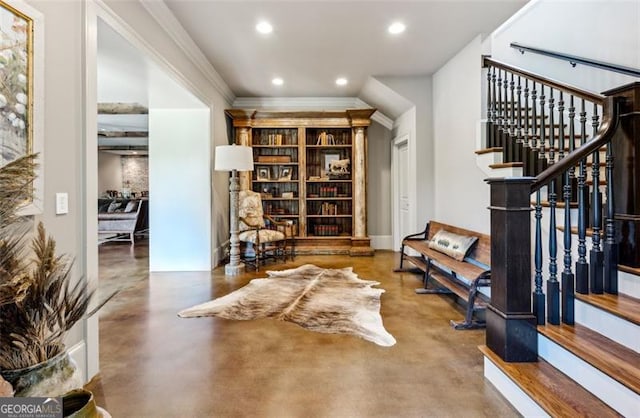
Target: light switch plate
62,203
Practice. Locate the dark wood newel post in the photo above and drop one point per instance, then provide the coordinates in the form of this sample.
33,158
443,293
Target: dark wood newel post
626,176
511,325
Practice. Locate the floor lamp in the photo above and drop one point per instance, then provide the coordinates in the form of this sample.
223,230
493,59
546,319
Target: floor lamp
233,158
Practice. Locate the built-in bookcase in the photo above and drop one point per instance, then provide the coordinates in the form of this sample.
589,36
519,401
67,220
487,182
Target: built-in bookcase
304,170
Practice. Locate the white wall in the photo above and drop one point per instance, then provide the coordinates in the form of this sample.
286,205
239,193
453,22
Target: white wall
179,202
378,180
604,30
461,195
418,90
109,172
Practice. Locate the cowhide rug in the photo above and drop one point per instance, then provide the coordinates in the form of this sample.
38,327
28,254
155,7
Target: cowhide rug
324,300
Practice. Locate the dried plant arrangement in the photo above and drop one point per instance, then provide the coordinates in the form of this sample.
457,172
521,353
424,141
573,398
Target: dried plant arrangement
38,302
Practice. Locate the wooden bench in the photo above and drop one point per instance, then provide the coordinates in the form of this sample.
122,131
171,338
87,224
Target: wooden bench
449,273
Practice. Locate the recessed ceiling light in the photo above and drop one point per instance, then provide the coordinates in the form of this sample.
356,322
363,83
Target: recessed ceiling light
277,81
397,28
264,27
341,81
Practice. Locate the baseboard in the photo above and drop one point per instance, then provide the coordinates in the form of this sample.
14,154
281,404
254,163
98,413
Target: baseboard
79,354
219,254
381,242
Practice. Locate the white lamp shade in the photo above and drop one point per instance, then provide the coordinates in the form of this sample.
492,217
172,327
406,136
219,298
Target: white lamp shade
233,157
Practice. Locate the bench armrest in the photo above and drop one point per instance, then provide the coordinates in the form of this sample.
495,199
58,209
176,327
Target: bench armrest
420,236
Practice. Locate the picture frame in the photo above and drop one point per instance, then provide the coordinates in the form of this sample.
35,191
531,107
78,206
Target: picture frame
21,91
285,174
263,174
327,158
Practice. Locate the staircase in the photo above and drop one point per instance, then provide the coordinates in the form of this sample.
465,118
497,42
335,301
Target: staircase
563,327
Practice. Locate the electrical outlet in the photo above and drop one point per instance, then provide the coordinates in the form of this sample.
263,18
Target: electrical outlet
62,203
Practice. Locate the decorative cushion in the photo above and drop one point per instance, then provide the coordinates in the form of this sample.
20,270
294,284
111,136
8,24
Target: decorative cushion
131,206
250,208
453,245
113,206
266,235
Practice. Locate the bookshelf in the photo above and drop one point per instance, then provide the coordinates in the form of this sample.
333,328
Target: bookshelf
309,168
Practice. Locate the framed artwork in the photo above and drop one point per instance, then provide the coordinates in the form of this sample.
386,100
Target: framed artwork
328,157
21,77
285,173
263,173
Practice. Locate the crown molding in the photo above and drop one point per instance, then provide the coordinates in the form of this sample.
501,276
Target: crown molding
293,103
316,103
167,20
378,116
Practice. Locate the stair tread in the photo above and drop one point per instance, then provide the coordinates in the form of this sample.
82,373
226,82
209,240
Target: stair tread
559,204
488,150
506,165
623,306
628,269
616,361
554,391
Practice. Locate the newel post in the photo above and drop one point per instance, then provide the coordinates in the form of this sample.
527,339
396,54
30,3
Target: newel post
511,324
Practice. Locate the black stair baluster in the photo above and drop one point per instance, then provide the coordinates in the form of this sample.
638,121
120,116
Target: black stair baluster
507,128
552,130
538,295
572,146
489,127
542,141
596,258
533,162
553,286
500,114
582,267
610,244
568,294
561,143
526,157
495,100
512,121
518,122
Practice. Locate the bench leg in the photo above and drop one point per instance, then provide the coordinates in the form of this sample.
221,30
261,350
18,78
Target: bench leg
468,322
401,268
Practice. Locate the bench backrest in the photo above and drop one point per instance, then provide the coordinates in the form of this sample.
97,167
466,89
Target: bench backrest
481,250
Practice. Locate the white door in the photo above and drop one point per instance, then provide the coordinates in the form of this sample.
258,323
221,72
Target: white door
402,206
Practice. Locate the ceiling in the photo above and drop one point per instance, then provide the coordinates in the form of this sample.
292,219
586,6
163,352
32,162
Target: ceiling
314,42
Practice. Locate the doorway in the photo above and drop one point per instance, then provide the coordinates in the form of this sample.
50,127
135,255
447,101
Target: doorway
402,207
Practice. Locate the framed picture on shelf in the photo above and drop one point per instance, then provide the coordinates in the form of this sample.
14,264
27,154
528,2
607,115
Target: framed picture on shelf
327,158
285,174
262,173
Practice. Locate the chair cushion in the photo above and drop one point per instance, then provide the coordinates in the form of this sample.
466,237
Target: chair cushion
113,206
132,205
250,208
453,245
266,235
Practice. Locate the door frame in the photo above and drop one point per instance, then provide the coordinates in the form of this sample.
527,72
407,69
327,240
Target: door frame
396,143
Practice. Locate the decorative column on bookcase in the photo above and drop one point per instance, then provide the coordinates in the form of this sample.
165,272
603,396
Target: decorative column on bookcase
243,137
511,325
360,242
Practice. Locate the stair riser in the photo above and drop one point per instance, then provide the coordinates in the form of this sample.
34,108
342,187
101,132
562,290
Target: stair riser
611,326
629,284
608,390
516,396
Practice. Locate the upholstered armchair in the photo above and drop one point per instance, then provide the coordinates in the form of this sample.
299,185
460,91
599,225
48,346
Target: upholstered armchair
267,242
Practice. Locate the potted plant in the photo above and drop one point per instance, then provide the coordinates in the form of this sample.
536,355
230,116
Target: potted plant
39,301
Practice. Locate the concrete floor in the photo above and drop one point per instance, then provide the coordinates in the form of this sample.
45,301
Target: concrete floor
154,364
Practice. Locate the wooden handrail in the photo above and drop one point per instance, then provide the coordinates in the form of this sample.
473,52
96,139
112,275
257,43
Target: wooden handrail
592,97
573,59
610,120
